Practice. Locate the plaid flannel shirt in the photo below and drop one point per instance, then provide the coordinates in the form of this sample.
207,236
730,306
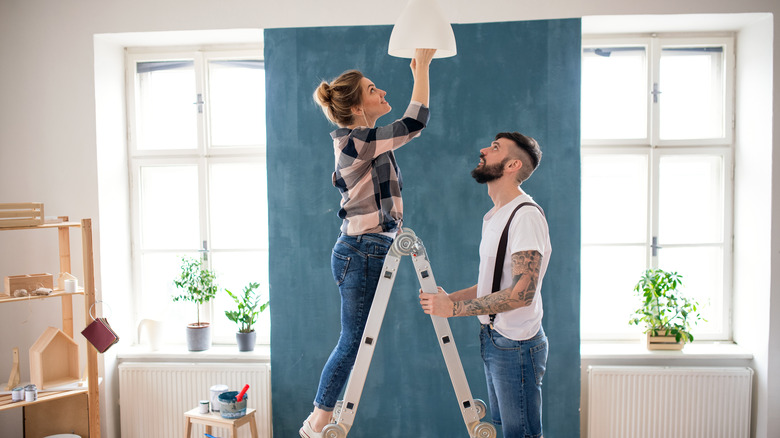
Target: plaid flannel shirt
367,174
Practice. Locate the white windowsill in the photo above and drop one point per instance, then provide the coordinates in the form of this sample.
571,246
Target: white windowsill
588,350
637,350
179,353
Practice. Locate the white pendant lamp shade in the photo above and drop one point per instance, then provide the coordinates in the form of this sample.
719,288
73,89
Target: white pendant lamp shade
422,25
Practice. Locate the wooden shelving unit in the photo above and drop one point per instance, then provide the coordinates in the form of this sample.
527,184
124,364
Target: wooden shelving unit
88,290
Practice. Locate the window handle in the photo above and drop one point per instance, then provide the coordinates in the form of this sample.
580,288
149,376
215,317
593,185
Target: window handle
204,252
656,92
655,246
200,103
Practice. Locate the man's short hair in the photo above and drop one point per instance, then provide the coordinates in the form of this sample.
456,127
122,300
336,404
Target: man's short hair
532,152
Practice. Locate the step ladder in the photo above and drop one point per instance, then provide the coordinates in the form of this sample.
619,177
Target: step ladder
407,243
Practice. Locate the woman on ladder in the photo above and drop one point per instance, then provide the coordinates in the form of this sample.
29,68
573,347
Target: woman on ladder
369,180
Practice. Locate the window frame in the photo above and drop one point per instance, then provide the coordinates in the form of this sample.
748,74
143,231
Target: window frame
202,157
615,41
729,65
655,148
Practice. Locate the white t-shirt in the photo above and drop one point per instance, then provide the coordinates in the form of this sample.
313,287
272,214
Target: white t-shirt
528,231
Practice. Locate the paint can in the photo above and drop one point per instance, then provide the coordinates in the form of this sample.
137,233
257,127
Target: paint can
17,394
30,393
203,407
216,390
230,408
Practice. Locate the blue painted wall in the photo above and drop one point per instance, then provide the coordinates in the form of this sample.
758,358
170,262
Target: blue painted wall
522,76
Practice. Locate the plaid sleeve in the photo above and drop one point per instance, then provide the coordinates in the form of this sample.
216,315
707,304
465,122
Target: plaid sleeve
369,143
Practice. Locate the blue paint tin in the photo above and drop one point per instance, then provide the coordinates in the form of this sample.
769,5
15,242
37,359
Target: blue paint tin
229,407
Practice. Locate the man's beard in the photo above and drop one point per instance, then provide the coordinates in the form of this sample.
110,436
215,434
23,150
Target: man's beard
485,173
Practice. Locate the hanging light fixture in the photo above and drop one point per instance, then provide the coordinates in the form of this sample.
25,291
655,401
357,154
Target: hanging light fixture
422,24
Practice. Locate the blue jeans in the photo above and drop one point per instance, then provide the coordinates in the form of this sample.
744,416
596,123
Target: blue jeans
356,263
514,371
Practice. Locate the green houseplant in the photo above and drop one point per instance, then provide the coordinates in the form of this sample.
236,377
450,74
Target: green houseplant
665,312
199,286
249,307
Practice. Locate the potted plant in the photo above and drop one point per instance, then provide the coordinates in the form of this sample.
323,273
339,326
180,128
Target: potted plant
198,285
246,316
666,314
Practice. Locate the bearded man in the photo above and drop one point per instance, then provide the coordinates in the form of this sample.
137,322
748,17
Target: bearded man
514,253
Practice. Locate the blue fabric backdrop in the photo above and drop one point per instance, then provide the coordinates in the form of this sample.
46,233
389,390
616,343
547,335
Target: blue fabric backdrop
522,76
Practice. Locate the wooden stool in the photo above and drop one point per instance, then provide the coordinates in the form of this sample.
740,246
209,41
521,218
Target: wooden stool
214,419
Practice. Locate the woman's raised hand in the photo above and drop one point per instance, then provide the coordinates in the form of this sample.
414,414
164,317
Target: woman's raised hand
420,62
422,58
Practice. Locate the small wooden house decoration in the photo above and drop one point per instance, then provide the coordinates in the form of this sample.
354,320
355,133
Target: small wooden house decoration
54,359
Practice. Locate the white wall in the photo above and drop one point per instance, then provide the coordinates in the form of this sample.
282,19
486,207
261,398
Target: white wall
49,132
753,206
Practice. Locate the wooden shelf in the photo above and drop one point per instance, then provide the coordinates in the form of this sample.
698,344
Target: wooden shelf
6,403
44,226
90,387
56,293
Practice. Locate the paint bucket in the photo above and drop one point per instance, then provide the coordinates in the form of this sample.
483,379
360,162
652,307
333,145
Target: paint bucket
216,390
30,393
229,407
17,394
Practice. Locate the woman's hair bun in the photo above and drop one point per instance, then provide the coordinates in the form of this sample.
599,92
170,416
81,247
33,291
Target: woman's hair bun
339,96
324,94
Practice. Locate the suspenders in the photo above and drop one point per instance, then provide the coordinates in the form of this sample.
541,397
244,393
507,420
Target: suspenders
502,250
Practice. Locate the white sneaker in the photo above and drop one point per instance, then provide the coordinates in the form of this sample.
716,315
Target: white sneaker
307,432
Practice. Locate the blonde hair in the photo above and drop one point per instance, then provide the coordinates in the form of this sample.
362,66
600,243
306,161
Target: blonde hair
338,97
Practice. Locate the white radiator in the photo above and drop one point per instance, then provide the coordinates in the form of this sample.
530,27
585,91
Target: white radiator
669,402
153,397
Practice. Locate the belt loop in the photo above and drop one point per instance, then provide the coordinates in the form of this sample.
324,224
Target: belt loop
359,238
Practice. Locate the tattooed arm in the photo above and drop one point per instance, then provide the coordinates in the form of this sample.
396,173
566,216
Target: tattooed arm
464,294
525,277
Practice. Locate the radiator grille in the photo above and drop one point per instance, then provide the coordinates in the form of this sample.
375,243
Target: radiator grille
669,402
155,396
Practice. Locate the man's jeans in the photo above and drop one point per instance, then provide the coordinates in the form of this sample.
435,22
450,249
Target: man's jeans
514,371
357,264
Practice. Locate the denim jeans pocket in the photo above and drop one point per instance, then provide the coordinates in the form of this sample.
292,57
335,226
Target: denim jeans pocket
339,264
503,343
539,360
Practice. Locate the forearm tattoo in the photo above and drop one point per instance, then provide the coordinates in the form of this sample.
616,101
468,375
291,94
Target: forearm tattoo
525,276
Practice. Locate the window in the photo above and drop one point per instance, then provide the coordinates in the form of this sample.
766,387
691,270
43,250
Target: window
196,123
657,151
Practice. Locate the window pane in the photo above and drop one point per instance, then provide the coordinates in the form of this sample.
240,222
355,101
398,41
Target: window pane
693,93
169,215
691,199
609,274
237,91
702,271
234,271
165,113
238,197
155,297
614,93
606,179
